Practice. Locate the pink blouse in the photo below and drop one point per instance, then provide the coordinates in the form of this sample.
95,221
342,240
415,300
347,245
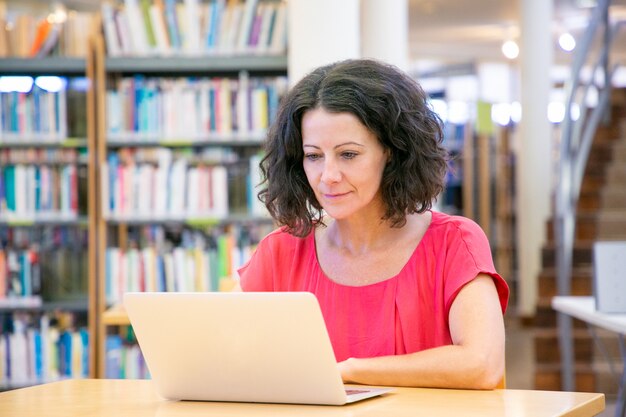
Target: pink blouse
403,314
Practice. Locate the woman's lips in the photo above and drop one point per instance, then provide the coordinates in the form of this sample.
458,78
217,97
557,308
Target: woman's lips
334,196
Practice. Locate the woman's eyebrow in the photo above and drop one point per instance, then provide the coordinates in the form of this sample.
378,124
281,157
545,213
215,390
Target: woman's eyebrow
336,146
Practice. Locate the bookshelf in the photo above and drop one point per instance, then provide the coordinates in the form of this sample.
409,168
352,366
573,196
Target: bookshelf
211,235
46,304
176,204
68,66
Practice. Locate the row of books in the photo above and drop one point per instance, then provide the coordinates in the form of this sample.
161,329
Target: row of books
34,34
49,262
36,112
20,273
124,360
64,273
193,268
164,237
192,108
41,352
39,191
194,27
39,156
170,188
202,155
44,237
183,187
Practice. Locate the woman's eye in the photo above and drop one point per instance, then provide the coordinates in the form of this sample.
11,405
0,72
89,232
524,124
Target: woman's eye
311,156
348,155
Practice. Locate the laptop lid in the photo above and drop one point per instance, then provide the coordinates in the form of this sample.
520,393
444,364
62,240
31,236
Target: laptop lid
248,347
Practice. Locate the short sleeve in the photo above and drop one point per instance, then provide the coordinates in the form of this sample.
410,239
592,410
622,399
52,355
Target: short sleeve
468,254
257,274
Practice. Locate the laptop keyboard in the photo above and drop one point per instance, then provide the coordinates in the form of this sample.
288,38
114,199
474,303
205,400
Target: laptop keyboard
355,391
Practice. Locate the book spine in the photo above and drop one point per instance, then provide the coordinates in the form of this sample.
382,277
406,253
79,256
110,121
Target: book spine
109,27
171,19
137,27
161,35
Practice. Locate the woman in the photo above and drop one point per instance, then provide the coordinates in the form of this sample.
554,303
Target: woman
410,296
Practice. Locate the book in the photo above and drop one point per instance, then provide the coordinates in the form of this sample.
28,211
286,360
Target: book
259,101
159,26
41,33
172,23
123,30
49,38
76,355
170,272
4,349
20,35
84,357
248,13
113,356
203,279
144,6
278,43
177,186
137,27
3,274
192,25
225,24
149,263
18,351
255,28
219,191
73,42
214,21
180,270
164,162
9,181
161,282
234,26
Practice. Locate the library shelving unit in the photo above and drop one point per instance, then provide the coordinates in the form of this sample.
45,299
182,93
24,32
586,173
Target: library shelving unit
47,298
481,169
178,145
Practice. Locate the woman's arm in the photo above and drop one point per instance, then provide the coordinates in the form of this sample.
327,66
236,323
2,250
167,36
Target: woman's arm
475,360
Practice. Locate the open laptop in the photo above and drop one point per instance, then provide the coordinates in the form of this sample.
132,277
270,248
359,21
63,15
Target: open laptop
245,347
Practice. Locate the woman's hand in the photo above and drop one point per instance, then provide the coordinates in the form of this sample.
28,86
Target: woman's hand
344,369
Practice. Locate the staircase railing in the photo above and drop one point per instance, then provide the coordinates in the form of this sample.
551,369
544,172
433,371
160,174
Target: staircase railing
576,139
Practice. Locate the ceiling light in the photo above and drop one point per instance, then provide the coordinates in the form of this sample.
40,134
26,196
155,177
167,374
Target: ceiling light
567,42
19,83
51,84
501,113
458,112
556,112
510,49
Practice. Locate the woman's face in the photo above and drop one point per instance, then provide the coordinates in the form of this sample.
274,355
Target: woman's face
343,162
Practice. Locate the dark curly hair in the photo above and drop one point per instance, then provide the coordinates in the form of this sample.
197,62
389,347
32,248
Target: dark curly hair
391,105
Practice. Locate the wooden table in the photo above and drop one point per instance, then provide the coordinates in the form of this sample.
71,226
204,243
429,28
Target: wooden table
137,398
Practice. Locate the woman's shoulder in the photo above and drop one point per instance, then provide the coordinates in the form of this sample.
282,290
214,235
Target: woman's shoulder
280,237
443,223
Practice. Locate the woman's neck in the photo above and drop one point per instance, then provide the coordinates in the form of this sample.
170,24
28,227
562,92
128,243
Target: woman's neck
361,236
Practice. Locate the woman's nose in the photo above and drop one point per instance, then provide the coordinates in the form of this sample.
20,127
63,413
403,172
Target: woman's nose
331,172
